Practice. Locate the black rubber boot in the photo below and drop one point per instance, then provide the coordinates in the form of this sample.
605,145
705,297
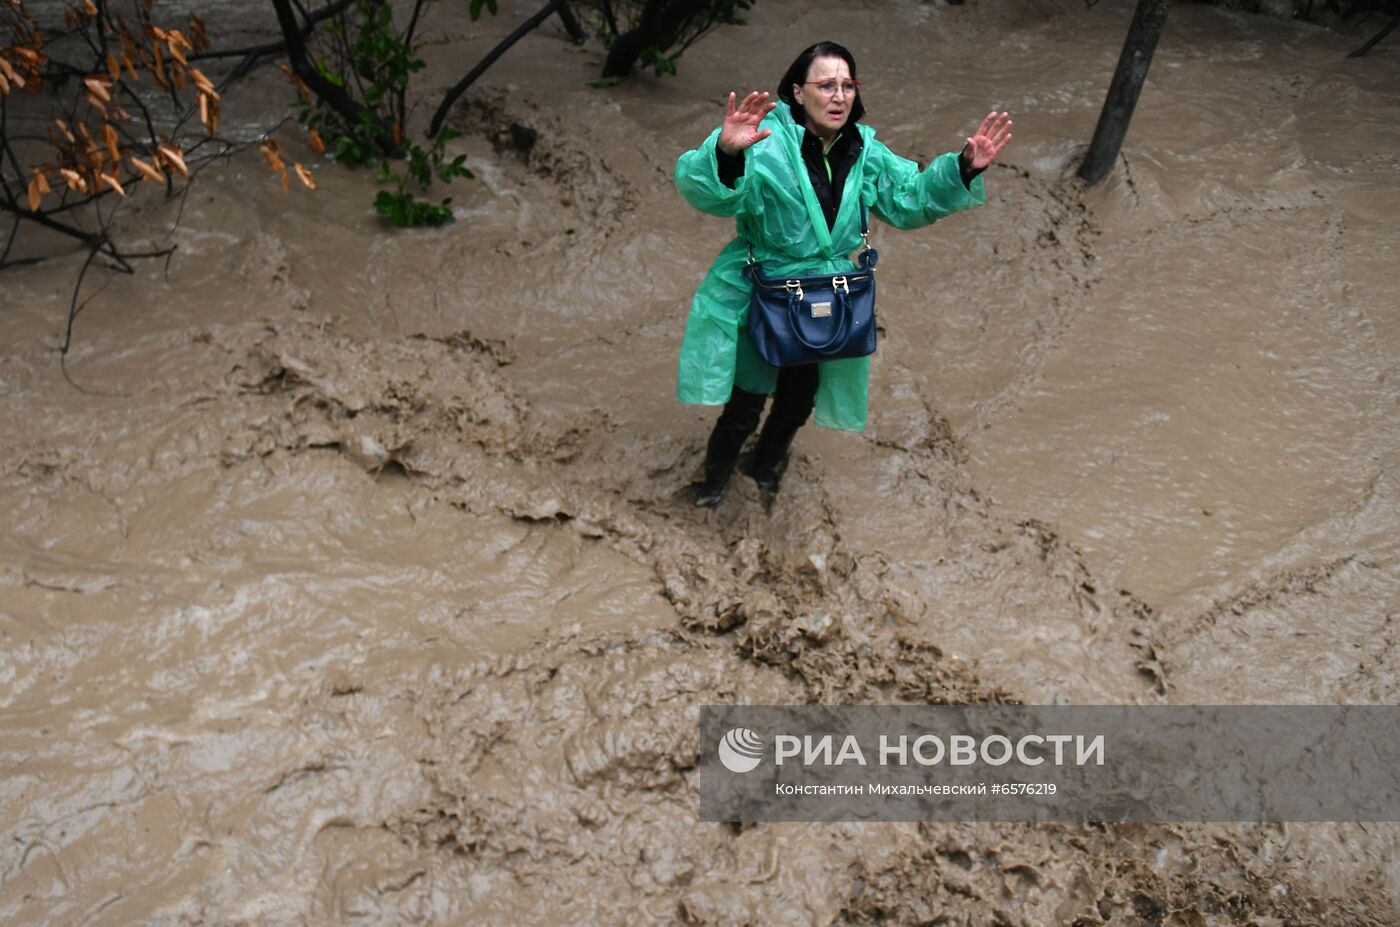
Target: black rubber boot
721,456
735,424
770,456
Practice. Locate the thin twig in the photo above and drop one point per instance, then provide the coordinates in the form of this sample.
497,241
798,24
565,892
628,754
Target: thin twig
73,311
252,53
1376,38
413,23
73,306
10,242
461,86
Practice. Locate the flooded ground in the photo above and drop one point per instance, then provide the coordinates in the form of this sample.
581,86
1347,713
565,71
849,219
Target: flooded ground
357,584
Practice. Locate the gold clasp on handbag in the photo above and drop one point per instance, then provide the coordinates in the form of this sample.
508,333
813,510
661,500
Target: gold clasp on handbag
839,283
794,287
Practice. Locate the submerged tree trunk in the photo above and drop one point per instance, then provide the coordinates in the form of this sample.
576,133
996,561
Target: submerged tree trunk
1123,92
577,35
333,95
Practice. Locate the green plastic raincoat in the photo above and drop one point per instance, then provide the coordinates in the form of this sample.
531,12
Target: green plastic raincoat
777,211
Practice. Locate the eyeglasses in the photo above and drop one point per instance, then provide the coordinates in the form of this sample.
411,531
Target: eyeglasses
828,88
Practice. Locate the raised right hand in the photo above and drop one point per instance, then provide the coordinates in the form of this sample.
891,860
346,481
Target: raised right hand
740,128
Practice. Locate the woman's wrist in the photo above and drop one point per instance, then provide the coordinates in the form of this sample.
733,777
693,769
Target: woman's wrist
731,166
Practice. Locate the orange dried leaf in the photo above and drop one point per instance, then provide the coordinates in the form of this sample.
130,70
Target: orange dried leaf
271,156
10,74
98,105
197,33
42,181
89,7
114,68
98,88
204,110
148,172
130,65
4,86
302,90
176,51
174,158
109,137
74,180
317,145
35,198
203,83
177,76
67,133
157,33
305,176
286,181
213,119
113,183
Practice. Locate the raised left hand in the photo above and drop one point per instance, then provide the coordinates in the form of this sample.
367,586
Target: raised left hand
988,141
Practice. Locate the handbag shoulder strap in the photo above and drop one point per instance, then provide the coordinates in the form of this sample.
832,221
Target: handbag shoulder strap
864,231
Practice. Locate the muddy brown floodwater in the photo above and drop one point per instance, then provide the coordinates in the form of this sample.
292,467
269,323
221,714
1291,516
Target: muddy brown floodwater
358,586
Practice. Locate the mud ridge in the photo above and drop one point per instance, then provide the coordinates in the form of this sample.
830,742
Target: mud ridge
1056,243
1266,593
523,133
825,616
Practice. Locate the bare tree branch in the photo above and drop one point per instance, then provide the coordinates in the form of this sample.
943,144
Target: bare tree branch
251,54
461,86
1375,39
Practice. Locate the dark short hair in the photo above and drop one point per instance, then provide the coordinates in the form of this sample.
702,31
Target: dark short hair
797,73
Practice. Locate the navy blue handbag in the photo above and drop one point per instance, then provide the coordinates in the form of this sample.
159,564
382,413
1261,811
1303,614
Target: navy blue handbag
802,320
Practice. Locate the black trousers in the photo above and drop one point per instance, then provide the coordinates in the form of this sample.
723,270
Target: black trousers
792,405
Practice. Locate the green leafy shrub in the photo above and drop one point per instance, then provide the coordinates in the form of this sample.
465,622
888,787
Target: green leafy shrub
365,52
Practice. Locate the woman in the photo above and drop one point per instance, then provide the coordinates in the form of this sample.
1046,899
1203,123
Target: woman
795,178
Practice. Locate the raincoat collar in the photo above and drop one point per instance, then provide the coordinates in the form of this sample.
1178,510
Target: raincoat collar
789,133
